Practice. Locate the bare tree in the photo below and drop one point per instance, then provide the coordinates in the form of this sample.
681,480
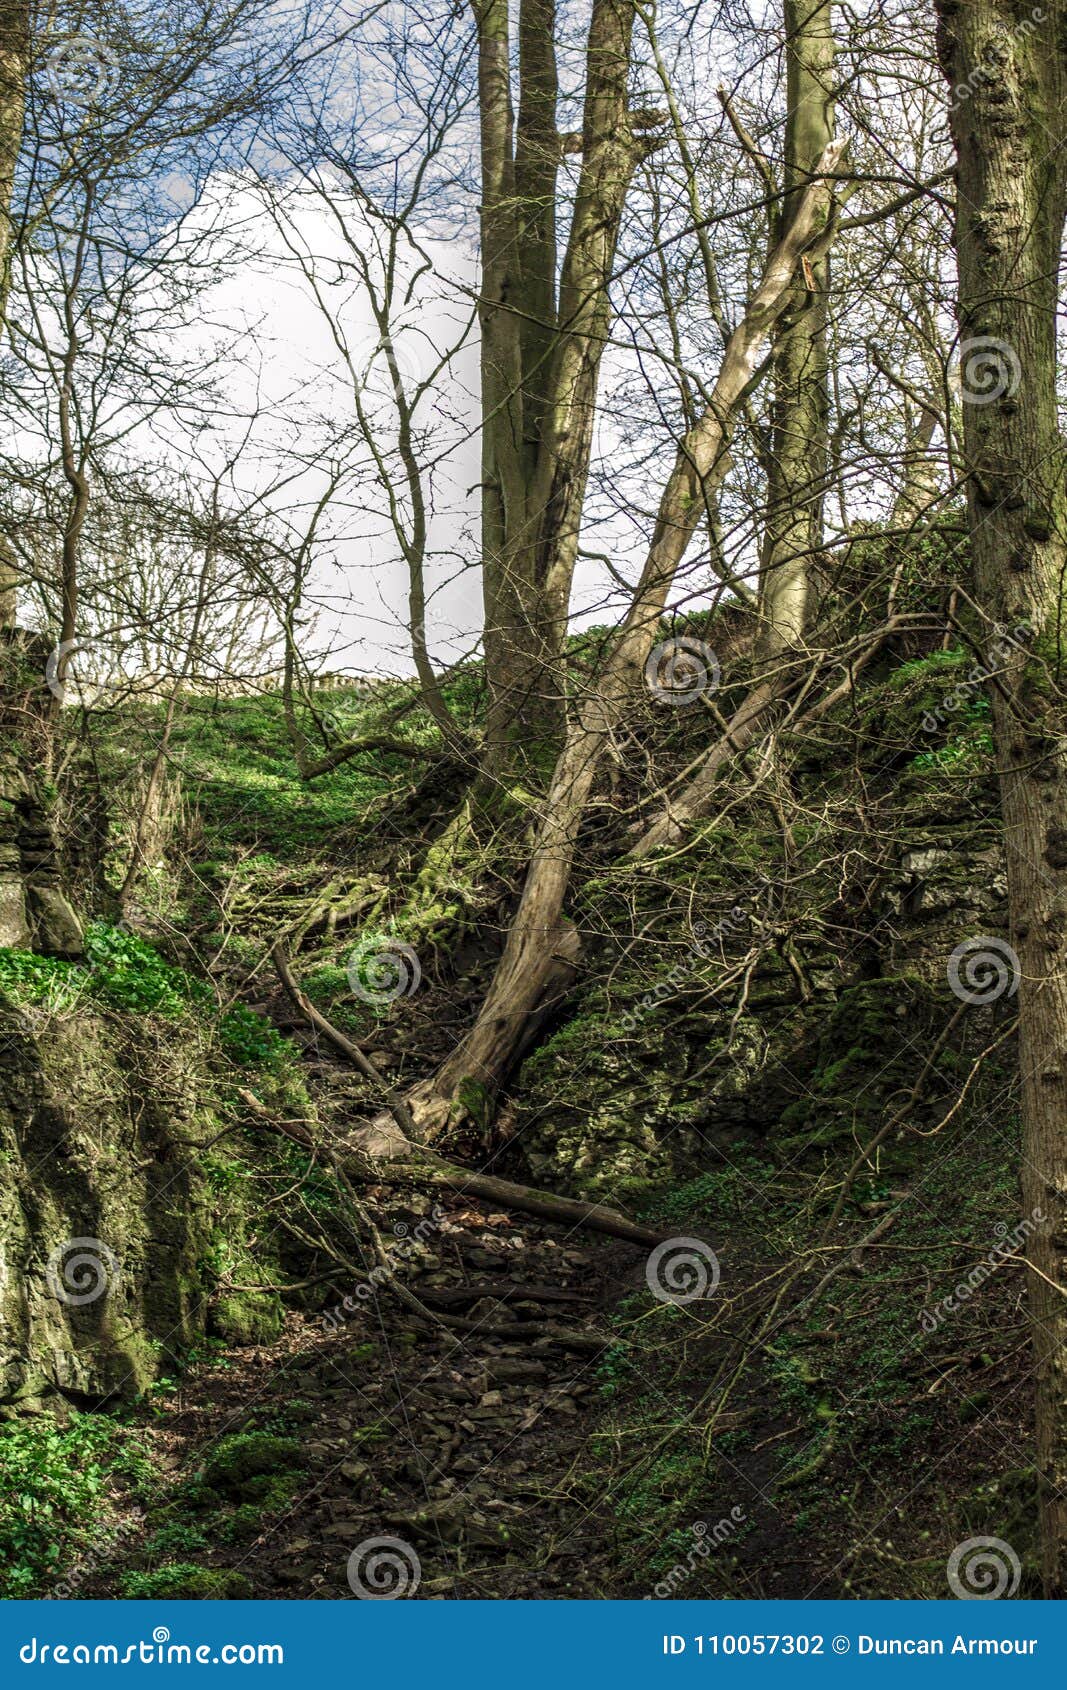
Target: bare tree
800,415
541,353
474,1072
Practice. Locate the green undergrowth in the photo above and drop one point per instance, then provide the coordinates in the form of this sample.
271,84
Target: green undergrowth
55,1481
238,769
188,1582
892,1383
206,1518
124,972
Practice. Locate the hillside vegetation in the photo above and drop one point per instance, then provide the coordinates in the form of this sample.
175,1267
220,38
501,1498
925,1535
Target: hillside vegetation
759,1054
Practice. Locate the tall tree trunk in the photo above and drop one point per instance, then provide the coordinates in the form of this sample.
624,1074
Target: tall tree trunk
72,457
501,371
801,404
14,49
1012,198
471,1076
541,357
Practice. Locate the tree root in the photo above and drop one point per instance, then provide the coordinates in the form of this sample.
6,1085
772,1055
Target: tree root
427,1168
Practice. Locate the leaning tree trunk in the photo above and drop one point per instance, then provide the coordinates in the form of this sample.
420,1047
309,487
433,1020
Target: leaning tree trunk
800,412
1008,73
470,1078
800,443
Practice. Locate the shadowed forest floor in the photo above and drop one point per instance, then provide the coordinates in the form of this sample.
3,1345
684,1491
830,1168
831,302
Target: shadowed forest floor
521,1469
817,1423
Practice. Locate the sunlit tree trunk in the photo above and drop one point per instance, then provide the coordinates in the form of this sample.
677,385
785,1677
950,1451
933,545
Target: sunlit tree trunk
541,353
800,413
1009,123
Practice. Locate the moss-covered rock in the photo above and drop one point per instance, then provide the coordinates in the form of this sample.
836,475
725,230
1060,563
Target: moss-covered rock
857,1061
243,1465
104,1217
237,1525
247,1317
112,1234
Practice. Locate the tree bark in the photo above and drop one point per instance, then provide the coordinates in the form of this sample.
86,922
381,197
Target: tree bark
72,456
14,50
800,414
541,357
1008,124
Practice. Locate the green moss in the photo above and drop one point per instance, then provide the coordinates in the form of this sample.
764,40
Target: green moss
183,1581
472,1100
932,664
243,1465
248,1317
863,1055
247,1519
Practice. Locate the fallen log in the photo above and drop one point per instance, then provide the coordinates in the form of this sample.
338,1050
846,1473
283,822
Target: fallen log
571,1211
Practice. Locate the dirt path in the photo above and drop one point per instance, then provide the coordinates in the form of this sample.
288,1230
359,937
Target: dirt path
276,1462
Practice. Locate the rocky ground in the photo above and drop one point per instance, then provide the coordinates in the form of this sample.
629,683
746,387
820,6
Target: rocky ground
277,1463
